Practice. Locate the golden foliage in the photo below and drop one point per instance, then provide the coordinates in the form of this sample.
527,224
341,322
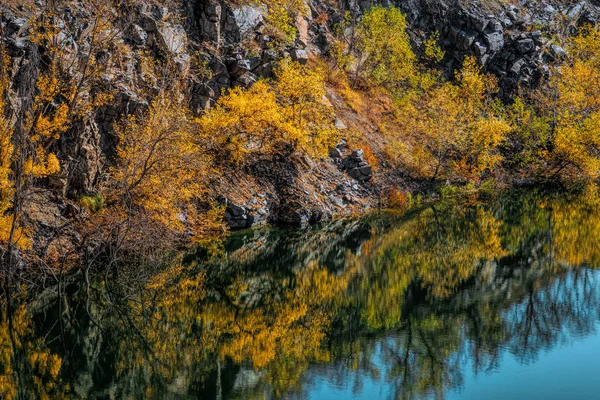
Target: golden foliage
23,357
280,25
397,199
454,128
280,324
265,119
440,248
300,93
158,161
526,148
432,50
436,129
378,49
24,157
281,334
162,168
6,157
61,98
573,99
245,121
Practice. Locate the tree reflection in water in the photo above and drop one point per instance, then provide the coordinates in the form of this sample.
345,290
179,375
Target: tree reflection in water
407,300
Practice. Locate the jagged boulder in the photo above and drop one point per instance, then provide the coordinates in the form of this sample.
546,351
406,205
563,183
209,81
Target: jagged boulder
525,45
209,20
357,167
239,217
337,152
86,158
247,19
136,35
246,80
172,38
300,56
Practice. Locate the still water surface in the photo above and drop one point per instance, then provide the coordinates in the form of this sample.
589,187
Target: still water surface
467,299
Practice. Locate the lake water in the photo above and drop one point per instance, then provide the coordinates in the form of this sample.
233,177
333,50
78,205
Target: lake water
477,298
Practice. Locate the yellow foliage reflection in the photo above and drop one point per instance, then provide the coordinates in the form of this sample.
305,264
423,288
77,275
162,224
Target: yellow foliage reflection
408,290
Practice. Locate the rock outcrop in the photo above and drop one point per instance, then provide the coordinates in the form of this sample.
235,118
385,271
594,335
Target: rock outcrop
238,217
508,39
357,167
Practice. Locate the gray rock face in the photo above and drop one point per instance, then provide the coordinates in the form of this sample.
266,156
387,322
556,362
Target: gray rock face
87,158
247,19
479,49
172,38
335,153
494,40
148,24
498,37
264,70
238,67
16,47
357,167
300,56
14,26
525,46
137,35
517,66
339,124
576,10
238,217
201,97
246,80
465,40
557,51
210,15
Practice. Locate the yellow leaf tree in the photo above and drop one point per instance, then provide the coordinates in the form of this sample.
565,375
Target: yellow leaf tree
62,96
453,128
575,108
377,50
300,93
25,155
287,116
162,170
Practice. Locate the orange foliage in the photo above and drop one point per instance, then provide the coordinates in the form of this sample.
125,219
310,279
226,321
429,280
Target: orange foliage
397,199
369,156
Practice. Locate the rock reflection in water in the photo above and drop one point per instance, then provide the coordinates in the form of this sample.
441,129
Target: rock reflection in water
404,303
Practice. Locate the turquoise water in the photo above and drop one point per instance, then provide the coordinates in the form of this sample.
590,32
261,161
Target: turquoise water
477,298
566,369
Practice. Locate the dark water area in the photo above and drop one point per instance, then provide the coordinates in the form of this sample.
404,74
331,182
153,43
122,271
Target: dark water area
494,298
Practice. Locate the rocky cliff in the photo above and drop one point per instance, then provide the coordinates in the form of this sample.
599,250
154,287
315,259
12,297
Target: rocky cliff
219,44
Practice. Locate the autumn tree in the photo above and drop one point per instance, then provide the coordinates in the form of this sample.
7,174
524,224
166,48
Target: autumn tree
157,160
267,119
63,95
25,155
575,108
159,184
377,49
526,150
300,92
453,128
280,26
245,121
